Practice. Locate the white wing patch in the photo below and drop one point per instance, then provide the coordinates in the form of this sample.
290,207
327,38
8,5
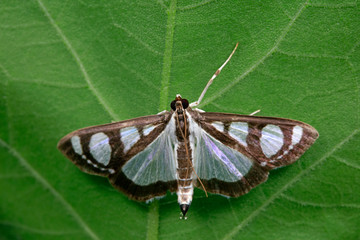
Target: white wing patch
76,144
157,162
219,126
129,136
148,129
100,148
212,159
239,131
272,140
296,135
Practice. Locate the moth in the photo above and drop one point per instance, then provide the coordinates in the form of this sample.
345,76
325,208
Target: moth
222,153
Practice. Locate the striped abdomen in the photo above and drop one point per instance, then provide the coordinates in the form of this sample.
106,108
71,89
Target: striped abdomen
184,164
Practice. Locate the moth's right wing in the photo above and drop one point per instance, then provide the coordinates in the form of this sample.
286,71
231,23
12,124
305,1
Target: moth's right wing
137,155
222,169
234,153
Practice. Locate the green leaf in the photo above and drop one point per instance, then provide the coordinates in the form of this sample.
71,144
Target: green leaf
65,65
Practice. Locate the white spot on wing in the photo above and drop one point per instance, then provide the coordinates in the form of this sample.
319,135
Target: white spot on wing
219,126
129,136
147,129
76,144
296,135
100,148
199,110
239,131
272,139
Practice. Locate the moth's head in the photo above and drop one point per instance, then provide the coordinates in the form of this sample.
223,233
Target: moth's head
179,103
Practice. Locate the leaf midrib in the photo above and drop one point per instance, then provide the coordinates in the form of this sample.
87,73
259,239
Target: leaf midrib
167,60
153,215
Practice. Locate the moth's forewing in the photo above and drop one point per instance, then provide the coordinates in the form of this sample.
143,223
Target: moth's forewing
235,152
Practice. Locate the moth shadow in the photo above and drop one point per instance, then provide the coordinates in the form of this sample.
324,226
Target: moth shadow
99,181
103,186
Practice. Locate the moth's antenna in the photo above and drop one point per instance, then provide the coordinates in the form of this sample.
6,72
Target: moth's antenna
257,111
194,104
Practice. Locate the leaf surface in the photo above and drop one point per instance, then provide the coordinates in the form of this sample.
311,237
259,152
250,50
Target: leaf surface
65,65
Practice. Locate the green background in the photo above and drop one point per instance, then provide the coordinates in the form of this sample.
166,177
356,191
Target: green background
65,65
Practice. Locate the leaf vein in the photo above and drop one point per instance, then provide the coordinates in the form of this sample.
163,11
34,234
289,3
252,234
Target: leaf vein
196,5
260,61
147,46
78,61
308,55
161,3
353,48
52,84
255,213
18,26
34,230
321,205
233,211
52,190
6,88
5,71
40,43
13,176
342,160
133,71
335,6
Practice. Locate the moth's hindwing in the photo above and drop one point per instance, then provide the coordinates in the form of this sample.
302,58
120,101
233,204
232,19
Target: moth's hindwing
106,149
234,153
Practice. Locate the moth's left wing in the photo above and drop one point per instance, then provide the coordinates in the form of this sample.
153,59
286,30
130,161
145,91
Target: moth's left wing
233,153
136,155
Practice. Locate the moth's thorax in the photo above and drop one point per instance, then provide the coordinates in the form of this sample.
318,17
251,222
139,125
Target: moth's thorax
181,116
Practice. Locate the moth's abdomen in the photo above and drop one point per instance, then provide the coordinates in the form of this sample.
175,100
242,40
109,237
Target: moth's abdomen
185,181
184,168
184,171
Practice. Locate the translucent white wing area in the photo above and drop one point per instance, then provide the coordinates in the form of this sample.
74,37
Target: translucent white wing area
129,136
272,140
157,162
214,160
